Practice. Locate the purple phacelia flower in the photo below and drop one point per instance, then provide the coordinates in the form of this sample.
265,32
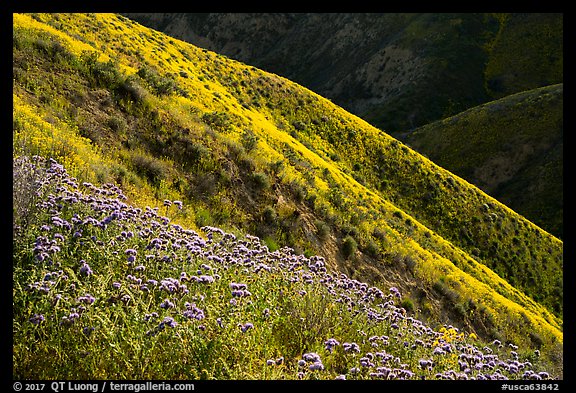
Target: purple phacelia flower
237,286
205,279
169,321
316,366
311,357
85,269
331,343
438,351
166,304
87,330
423,363
37,319
241,293
351,347
87,298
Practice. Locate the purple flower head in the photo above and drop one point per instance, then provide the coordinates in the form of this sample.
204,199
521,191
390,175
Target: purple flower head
351,347
87,298
438,351
246,326
205,279
316,366
168,321
424,363
193,312
166,304
237,286
241,293
85,269
331,343
87,330
365,362
311,357
37,319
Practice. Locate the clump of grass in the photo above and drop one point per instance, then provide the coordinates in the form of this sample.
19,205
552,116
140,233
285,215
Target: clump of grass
349,246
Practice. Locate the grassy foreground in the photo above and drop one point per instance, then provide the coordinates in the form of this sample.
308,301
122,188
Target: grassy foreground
108,290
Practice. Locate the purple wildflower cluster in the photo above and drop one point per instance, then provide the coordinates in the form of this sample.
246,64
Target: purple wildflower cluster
311,361
187,279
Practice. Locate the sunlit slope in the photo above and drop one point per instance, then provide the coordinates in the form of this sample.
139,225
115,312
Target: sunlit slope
511,148
252,151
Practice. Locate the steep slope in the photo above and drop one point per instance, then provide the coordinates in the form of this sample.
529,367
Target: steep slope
511,148
256,153
402,71
398,71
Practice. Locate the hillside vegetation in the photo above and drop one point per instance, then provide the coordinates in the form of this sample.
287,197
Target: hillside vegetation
511,148
252,153
403,71
396,70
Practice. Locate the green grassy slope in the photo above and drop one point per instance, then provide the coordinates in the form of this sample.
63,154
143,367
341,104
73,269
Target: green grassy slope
511,148
255,153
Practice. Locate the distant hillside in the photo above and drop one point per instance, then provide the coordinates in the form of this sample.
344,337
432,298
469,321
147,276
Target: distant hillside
397,71
526,53
511,148
255,153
